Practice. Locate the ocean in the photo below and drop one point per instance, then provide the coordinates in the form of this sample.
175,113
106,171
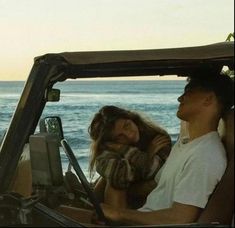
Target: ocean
80,100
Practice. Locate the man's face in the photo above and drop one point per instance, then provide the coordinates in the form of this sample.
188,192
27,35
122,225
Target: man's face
192,102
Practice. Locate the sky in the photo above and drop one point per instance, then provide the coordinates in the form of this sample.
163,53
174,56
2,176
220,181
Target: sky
30,28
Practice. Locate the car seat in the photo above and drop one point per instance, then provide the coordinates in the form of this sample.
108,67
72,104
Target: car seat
220,207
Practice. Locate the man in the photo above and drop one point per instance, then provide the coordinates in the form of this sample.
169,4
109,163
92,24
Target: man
195,165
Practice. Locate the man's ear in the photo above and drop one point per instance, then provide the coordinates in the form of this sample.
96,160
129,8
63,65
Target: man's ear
210,99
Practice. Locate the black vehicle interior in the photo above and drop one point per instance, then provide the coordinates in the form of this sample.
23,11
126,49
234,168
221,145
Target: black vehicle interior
39,176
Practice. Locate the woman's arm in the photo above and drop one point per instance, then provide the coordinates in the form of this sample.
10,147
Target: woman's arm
122,165
142,188
114,168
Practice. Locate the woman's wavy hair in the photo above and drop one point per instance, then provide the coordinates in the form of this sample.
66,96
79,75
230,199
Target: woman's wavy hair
103,122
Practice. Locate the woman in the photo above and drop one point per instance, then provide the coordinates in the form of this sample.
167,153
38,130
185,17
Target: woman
127,150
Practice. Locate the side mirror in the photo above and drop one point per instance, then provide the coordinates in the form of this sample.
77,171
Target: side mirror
52,125
53,95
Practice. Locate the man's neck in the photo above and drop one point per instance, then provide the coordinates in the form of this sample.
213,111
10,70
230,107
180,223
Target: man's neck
198,129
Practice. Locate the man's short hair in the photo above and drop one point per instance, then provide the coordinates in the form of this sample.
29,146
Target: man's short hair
221,84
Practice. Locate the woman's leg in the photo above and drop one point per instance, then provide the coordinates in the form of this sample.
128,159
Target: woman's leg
99,189
115,197
107,194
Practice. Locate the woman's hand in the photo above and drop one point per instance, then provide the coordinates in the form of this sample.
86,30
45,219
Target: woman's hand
158,143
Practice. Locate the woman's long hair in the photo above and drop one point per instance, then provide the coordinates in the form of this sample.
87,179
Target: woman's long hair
103,122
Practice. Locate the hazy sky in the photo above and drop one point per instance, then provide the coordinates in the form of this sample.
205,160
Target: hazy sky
30,28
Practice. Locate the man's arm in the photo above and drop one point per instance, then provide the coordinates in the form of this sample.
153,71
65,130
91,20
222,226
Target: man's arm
177,214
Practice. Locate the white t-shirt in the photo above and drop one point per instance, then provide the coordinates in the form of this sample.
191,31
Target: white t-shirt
190,173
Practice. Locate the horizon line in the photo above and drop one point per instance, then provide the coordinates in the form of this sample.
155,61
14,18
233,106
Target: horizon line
131,78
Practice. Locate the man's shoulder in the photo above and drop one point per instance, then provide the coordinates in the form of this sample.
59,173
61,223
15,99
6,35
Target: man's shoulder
210,140
211,152
207,148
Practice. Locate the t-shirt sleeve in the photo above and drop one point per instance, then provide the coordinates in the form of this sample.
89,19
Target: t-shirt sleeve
197,181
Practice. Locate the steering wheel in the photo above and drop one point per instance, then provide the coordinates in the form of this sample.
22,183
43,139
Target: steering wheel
73,161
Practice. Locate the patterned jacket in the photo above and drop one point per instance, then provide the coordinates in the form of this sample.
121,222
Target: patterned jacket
128,164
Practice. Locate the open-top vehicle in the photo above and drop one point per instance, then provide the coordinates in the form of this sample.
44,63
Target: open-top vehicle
32,185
